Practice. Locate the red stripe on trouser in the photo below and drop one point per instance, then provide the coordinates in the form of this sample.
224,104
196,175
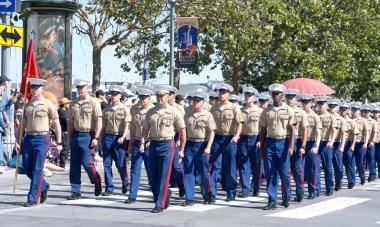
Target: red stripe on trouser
42,171
168,175
208,174
91,163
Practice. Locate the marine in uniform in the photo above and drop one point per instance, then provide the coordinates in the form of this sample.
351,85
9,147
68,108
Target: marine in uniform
361,143
200,133
84,126
159,125
276,122
328,135
138,113
213,98
312,162
228,121
376,117
116,119
176,177
339,143
297,159
372,133
249,154
38,113
349,148
264,101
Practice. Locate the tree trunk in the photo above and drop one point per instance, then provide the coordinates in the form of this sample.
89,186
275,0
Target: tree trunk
235,78
96,68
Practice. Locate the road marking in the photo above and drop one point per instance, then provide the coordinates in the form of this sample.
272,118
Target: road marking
25,208
319,208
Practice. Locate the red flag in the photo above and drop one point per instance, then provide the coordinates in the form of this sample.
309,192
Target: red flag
30,71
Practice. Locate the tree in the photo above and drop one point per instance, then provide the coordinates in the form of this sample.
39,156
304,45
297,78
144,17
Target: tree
108,23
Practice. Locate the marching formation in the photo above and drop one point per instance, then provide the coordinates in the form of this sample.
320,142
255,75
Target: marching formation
213,141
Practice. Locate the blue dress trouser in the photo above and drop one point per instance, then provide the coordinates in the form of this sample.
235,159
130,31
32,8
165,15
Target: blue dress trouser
349,163
249,161
296,161
136,160
112,150
177,176
277,163
338,163
222,146
377,157
34,150
326,155
194,157
81,153
160,164
312,168
370,160
360,158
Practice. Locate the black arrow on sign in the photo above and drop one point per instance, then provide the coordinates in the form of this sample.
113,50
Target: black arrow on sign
5,35
16,37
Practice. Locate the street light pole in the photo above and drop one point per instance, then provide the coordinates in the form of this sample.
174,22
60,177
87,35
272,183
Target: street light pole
172,20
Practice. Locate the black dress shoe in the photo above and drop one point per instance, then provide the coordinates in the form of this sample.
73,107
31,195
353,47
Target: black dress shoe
329,193
255,193
242,195
44,194
181,192
212,199
107,193
229,199
311,196
30,204
130,201
124,189
286,202
270,206
74,196
157,210
362,181
188,203
167,202
351,185
98,189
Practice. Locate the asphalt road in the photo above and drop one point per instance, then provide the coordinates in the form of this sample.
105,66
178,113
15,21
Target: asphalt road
357,207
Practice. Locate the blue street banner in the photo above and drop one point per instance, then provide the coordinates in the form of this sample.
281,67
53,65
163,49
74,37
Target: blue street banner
8,6
187,42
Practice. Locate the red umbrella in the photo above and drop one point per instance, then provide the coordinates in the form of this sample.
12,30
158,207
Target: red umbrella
308,86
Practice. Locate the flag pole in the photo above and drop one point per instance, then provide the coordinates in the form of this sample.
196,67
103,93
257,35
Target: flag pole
20,138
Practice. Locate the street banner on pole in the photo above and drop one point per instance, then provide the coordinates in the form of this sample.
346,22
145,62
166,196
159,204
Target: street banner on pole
30,70
187,42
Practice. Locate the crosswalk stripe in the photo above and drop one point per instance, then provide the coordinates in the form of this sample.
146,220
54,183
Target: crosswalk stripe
319,208
25,208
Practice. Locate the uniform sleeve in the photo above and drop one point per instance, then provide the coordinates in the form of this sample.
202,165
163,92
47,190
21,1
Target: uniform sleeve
292,117
344,126
355,128
179,123
239,116
53,114
211,123
182,110
334,122
146,123
70,112
104,119
318,122
128,117
97,109
304,119
263,120
376,127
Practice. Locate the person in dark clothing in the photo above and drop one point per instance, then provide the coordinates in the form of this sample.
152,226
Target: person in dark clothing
102,99
64,104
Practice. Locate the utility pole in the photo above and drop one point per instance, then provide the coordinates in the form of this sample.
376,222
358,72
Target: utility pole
172,20
5,50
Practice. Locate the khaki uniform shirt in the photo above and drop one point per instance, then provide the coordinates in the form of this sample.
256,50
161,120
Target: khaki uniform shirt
372,128
38,115
207,106
301,118
362,126
116,118
138,116
199,125
341,127
328,123
315,123
83,113
179,108
251,118
277,120
162,123
227,119
352,129
377,140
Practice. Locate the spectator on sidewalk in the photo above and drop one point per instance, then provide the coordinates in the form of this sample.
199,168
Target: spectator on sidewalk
64,105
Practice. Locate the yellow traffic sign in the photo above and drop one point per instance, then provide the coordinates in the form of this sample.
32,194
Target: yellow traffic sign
18,37
5,39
